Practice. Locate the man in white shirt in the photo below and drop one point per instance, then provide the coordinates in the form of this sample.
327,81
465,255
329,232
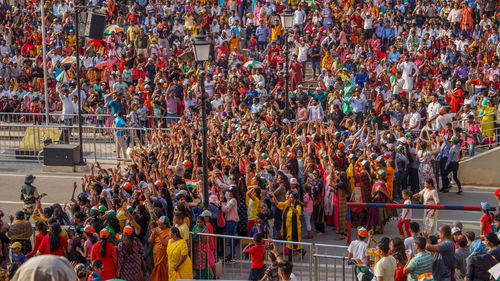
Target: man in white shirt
415,117
433,112
385,269
299,18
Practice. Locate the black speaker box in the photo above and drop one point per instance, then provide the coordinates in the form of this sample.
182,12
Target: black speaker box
94,28
61,154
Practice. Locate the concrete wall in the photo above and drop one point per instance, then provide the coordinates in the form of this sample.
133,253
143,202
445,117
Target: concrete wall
483,169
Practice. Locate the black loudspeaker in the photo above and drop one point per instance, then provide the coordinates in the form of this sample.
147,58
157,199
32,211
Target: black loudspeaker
61,155
94,29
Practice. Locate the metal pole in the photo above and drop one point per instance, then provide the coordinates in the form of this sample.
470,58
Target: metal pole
204,140
44,55
287,113
77,12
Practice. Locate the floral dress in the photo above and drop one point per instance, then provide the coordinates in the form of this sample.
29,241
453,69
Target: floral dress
425,170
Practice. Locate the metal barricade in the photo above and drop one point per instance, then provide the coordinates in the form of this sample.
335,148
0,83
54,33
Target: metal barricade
237,266
25,141
325,270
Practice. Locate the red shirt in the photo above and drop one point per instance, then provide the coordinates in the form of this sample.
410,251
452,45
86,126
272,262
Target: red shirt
44,248
38,241
257,255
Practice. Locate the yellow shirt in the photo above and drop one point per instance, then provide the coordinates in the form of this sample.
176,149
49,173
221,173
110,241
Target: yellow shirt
275,32
132,33
374,253
184,230
253,207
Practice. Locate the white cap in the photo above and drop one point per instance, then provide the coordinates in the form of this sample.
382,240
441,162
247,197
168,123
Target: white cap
318,88
300,86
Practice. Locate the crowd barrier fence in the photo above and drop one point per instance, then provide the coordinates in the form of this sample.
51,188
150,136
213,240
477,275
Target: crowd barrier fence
306,266
408,206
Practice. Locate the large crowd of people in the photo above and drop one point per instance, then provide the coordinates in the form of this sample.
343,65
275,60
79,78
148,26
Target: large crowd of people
400,91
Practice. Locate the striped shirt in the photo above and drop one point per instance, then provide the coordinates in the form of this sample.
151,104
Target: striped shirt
421,263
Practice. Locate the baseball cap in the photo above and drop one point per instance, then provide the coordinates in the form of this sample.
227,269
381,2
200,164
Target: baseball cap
163,220
104,233
16,245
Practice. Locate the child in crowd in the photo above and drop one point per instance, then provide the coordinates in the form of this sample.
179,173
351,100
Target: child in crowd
256,251
271,272
17,257
260,226
308,209
96,270
461,254
405,215
181,225
357,248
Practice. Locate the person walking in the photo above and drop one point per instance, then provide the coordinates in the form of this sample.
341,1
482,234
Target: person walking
29,195
452,163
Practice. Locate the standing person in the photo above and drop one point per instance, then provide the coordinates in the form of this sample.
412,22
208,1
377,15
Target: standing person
106,252
357,248
478,262
160,237
460,256
405,215
444,254
29,195
377,217
130,251
452,163
486,219
429,196
256,251
414,232
419,264
179,263
443,159
21,231
308,209
424,156
230,209
342,192
318,215
291,226
385,269
54,243
120,139
201,249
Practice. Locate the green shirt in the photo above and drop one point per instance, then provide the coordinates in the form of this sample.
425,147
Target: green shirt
420,264
29,195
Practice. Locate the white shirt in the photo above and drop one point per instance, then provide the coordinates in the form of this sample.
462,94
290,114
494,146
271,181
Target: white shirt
414,120
433,110
302,55
299,17
358,250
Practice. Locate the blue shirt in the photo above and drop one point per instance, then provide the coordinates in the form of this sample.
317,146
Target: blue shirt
116,106
360,79
394,56
119,123
379,30
388,32
454,154
263,33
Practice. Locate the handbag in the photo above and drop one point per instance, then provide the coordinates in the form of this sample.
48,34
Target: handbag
478,138
221,222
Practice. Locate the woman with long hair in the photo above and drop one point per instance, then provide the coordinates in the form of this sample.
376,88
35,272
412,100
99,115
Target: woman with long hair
54,243
41,227
105,251
201,248
378,217
424,156
291,226
429,196
318,215
342,193
129,251
179,263
159,238
486,219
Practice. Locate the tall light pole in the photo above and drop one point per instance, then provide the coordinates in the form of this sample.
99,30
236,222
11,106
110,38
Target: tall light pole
286,23
201,50
80,136
44,66
77,33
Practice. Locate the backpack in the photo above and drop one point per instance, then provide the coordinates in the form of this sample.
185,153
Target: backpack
221,222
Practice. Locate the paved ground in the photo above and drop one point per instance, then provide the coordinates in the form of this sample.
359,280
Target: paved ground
59,187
